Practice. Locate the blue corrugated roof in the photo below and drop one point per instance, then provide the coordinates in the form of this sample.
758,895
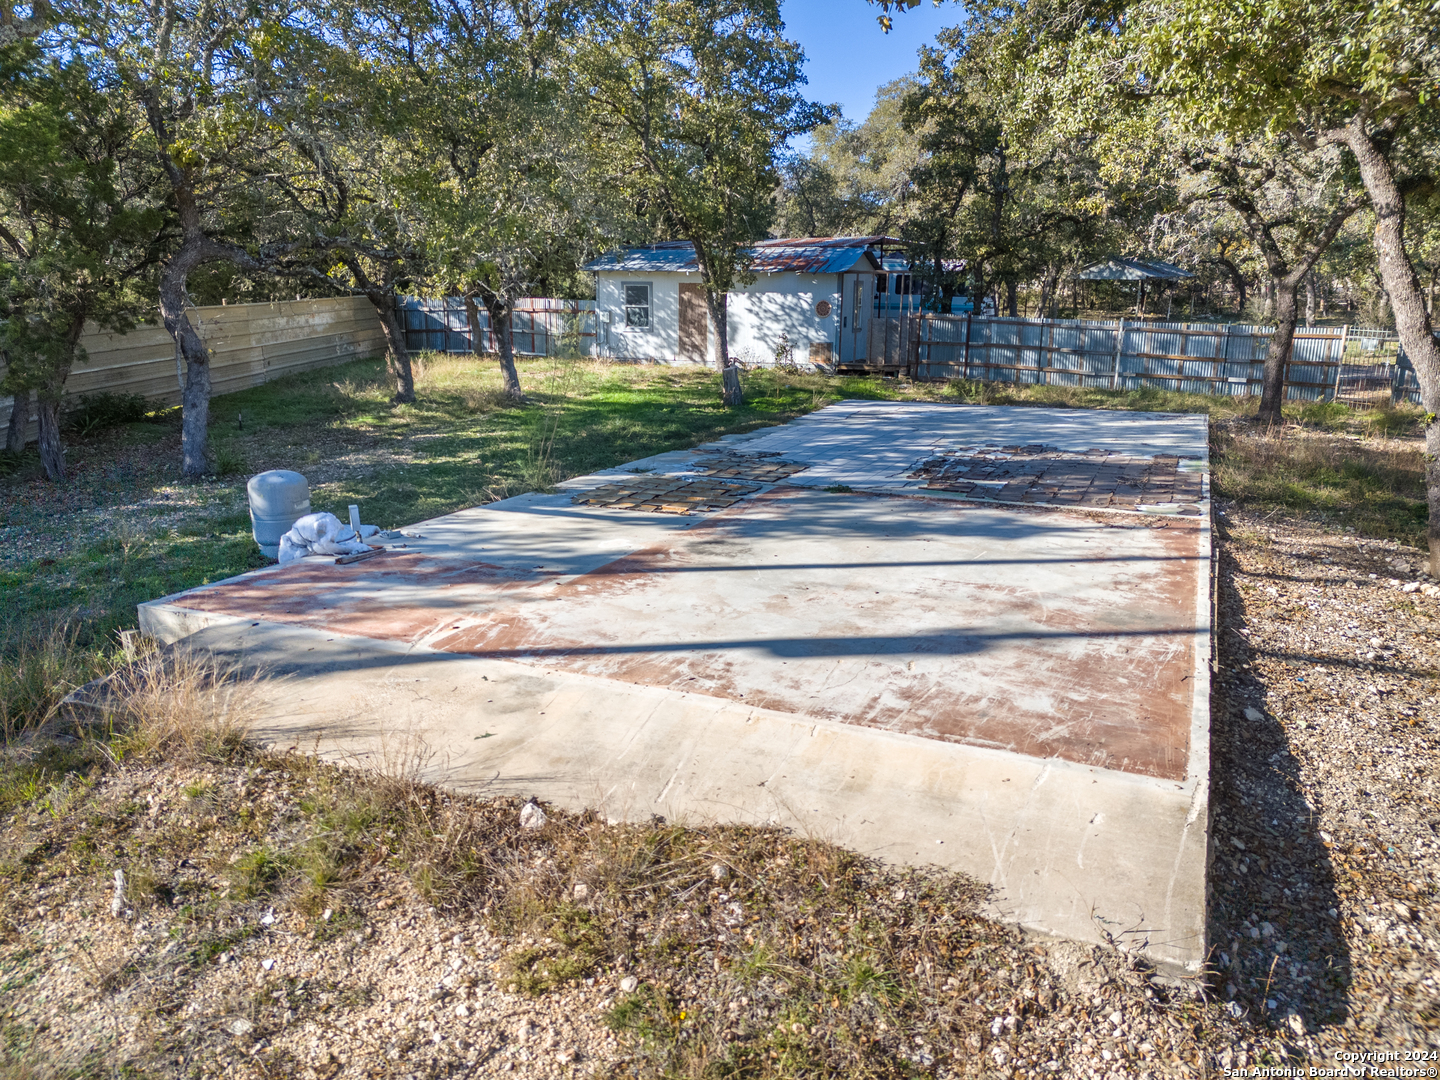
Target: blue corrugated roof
806,255
1130,269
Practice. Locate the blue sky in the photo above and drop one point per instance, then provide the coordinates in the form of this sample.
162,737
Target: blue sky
847,55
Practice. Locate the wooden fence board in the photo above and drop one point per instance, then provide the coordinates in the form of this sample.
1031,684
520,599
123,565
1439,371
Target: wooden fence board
250,344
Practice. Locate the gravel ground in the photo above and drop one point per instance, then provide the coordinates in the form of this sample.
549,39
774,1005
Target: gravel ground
1326,745
185,976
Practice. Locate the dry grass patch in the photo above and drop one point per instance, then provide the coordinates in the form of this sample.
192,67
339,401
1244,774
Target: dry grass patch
1372,486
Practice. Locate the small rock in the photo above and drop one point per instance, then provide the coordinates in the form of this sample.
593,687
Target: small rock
1271,1005
997,1026
720,872
268,919
1297,1024
1412,586
267,964
523,1031
629,984
1254,715
240,1026
117,903
532,817
582,891
1238,842
1115,1018
461,1010
1254,933
565,1057
1267,930
1235,1009
1405,911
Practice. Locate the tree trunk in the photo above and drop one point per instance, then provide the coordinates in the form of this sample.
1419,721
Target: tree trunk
1309,299
1412,320
472,320
501,308
397,354
1277,356
195,397
718,308
1238,280
52,453
1012,296
47,402
19,421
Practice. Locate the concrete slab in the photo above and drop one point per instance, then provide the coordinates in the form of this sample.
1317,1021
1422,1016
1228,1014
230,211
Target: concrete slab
1018,692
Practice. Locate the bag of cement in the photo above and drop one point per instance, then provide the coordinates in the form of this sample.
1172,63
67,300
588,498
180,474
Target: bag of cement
321,534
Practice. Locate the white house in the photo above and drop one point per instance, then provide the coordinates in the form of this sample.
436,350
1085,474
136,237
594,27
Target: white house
819,293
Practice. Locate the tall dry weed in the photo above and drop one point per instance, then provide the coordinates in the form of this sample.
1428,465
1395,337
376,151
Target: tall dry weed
38,668
181,705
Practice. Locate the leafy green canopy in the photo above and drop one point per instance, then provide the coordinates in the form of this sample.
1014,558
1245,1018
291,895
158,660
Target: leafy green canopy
699,100
80,219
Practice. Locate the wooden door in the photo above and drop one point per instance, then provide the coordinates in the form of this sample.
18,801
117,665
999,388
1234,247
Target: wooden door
694,325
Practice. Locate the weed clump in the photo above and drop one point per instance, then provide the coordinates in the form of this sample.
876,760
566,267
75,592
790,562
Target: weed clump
96,412
177,705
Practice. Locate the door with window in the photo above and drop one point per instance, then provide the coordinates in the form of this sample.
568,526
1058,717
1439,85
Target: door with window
694,325
857,297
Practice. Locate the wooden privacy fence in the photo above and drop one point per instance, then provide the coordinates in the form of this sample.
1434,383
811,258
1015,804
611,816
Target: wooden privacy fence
1198,358
249,344
539,326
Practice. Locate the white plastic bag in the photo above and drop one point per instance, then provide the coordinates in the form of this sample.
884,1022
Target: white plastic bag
321,534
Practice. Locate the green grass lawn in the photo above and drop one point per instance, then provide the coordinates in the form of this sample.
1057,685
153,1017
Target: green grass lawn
127,529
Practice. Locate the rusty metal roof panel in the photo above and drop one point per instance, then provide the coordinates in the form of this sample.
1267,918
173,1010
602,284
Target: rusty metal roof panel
804,255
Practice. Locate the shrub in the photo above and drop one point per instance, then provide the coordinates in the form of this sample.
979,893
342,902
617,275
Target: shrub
95,412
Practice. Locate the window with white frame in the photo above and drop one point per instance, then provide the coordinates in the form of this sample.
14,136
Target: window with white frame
637,304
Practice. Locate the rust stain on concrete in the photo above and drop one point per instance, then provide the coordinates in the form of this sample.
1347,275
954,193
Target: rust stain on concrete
1046,633
397,596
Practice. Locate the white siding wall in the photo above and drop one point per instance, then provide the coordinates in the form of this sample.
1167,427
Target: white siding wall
759,313
782,303
662,340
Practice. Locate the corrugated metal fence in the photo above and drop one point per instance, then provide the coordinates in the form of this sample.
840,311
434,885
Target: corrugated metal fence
540,326
249,344
1358,366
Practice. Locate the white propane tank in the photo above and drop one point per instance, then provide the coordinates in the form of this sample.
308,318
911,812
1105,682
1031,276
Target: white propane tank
277,499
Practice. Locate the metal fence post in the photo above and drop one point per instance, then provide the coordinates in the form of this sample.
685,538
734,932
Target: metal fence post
1340,361
1119,351
969,318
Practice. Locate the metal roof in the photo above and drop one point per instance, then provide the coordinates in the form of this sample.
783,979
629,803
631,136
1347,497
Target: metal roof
1118,269
903,264
804,255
